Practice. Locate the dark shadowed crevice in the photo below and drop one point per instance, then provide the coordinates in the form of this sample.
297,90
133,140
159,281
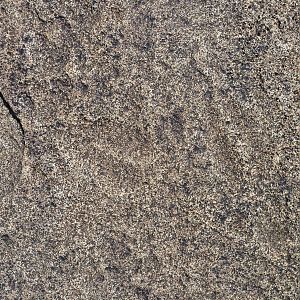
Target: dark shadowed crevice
12,113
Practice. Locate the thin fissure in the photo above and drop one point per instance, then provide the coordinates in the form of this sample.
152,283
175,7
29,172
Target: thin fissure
12,113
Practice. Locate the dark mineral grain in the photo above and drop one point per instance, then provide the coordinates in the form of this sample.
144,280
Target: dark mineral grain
149,150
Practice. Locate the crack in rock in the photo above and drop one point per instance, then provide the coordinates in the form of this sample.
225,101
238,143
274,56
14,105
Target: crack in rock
12,144
12,113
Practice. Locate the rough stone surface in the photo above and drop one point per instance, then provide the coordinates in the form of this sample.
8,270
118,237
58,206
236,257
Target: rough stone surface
11,149
149,149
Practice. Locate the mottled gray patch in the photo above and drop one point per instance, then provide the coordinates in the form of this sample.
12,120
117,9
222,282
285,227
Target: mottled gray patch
11,148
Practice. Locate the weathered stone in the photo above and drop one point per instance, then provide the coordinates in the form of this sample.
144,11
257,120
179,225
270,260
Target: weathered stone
149,149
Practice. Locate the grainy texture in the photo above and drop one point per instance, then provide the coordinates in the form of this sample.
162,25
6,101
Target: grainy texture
11,148
149,149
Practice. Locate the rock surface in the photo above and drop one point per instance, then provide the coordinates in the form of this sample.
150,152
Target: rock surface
149,149
11,148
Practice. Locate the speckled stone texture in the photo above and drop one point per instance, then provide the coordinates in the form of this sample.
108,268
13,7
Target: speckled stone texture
149,149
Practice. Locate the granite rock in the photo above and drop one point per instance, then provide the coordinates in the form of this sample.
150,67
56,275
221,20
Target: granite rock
149,149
